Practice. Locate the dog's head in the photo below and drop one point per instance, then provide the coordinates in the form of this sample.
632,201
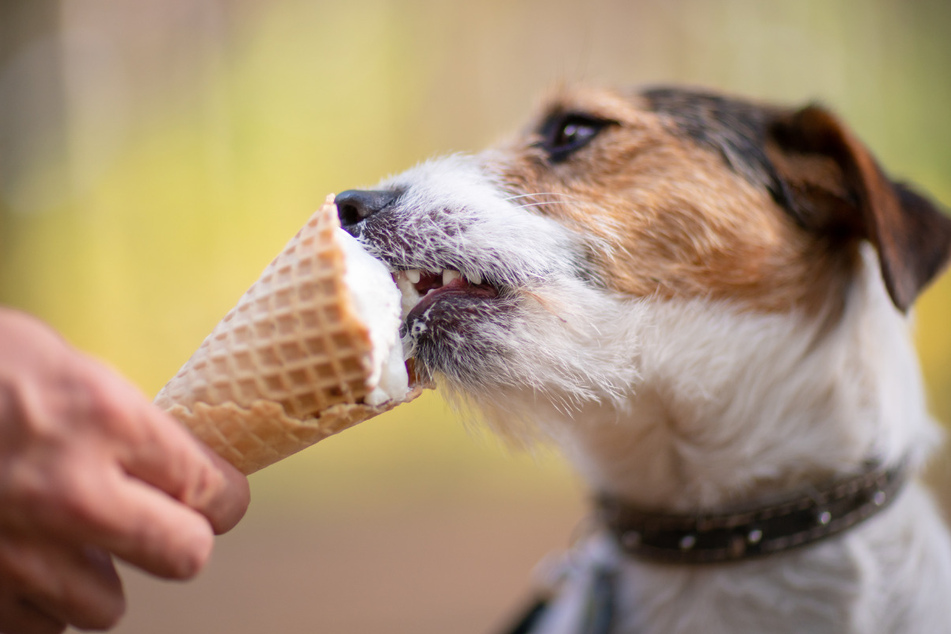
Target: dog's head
527,266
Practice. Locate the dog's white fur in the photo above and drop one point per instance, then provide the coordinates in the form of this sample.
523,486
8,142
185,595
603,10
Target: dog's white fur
758,406
691,403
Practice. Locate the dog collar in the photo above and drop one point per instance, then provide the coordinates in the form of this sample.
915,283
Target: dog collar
744,533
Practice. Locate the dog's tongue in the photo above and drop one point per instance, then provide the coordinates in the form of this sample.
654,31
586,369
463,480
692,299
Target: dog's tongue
428,282
432,289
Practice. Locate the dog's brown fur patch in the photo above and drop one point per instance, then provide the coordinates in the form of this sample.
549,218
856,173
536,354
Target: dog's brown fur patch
669,217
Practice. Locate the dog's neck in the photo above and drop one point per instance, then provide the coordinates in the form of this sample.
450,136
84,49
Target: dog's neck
734,407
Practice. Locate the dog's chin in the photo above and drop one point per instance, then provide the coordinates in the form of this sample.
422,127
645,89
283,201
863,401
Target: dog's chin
456,336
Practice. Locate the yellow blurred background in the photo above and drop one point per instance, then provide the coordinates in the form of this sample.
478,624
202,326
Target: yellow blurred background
155,154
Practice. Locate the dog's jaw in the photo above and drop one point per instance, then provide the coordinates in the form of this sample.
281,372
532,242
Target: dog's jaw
522,318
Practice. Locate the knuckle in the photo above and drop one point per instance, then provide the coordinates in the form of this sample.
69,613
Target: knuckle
102,405
25,488
204,487
80,498
13,403
94,393
74,498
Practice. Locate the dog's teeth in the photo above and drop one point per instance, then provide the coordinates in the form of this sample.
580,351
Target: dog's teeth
413,275
405,285
475,279
409,296
448,276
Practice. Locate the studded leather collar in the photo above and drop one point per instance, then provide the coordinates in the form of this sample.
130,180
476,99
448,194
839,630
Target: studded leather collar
705,537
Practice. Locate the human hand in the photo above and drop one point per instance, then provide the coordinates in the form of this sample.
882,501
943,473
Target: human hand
90,468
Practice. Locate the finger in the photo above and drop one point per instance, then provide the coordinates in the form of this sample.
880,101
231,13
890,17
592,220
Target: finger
135,522
160,451
159,534
18,616
177,463
62,581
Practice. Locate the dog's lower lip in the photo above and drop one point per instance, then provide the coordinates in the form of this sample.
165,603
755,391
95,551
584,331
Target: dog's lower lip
456,287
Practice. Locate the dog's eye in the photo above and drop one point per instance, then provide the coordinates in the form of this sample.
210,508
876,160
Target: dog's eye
565,134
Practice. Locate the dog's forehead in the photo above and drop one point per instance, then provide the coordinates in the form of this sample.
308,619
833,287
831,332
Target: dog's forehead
735,129
623,106
694,109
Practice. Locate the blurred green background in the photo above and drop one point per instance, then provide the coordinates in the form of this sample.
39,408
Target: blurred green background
155,154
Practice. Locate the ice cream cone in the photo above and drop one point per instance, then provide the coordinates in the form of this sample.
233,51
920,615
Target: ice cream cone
290,364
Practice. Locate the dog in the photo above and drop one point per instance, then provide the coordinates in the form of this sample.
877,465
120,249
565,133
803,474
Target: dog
702,300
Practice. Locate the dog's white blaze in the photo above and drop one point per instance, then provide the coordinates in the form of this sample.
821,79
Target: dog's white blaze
477,228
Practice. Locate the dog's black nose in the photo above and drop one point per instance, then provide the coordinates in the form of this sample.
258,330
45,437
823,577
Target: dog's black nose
354,205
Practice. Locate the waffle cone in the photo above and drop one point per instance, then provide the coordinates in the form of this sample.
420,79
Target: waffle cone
288,365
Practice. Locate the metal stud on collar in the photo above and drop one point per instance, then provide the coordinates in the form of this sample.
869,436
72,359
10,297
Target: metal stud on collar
631,539
687,542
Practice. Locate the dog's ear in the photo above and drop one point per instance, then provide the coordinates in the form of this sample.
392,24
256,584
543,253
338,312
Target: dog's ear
831,183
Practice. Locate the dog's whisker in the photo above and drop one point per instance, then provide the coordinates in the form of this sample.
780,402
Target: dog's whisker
536,194
541,204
